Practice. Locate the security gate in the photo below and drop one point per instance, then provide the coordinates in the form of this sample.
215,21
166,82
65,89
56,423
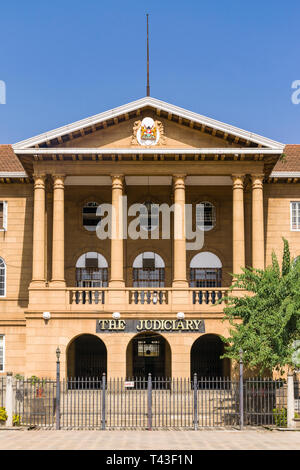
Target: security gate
149,403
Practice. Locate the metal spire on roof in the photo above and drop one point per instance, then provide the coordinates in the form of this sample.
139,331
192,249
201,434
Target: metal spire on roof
148,81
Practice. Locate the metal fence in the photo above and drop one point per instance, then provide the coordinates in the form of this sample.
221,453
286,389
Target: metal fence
151,403
35,402
2,390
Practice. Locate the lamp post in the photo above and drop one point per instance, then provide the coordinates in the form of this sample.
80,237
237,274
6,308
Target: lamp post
57,388
241,384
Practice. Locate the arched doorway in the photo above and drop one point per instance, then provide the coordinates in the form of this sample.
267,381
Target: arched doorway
205,357
148,353
86,357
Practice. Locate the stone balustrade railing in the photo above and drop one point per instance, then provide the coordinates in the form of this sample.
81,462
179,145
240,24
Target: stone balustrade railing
148,296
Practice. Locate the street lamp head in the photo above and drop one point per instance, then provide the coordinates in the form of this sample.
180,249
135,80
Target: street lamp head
46,316
180,315
58,353
116,315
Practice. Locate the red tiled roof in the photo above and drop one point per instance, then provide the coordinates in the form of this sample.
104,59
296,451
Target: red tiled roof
9,161
291,162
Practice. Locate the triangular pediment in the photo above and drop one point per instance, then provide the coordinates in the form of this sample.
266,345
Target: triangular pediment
177,129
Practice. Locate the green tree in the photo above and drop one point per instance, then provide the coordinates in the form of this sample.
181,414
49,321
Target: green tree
265,321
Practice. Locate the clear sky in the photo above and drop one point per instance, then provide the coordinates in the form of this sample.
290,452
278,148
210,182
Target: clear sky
235,61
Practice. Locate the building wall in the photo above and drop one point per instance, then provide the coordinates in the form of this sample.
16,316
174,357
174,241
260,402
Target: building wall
31,344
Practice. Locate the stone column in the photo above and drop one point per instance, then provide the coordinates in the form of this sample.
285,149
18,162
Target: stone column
179,256
38,249
117,256
238,231
58,237
258,246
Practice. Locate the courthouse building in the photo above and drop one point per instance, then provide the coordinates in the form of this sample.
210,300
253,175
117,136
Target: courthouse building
130,305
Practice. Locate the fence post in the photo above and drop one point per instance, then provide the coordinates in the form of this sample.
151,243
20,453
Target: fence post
9,399
290,401
149,389
103,402
195,386
241,390
57,413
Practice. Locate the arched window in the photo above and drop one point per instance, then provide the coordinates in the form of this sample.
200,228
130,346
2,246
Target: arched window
149,216
90,219
2,278
148,270
205,270
91,270
205,216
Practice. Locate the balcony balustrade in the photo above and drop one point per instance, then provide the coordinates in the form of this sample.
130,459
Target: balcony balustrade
147,297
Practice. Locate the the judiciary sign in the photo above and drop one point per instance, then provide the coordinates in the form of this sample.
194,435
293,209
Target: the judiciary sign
137,326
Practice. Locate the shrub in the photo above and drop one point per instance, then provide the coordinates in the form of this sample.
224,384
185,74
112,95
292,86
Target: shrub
16,420
280,417
3,414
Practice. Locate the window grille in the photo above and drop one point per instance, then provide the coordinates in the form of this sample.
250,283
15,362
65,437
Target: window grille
2,278
92,277
1,353
205,277
148,277
295,216
149,216
205,216
90,219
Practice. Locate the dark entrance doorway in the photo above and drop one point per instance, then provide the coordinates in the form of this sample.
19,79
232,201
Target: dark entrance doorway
87,357
148,353
205,357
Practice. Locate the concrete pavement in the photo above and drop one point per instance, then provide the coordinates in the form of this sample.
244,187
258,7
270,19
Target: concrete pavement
150,440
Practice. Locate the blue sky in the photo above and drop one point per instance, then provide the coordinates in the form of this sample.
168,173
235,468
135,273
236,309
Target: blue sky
233,61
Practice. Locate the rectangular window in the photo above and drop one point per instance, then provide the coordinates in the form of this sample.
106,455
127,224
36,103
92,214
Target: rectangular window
2,353
295,216
3,215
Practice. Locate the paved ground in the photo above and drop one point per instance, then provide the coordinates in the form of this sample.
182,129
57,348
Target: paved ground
144,440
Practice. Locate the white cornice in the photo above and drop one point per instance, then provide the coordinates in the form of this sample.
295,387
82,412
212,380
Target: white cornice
285,174
156,104
13,174
145,151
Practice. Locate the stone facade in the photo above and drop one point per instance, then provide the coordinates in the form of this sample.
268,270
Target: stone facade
45,237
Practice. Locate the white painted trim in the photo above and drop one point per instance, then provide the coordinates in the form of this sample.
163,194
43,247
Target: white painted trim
13,174
145,151
3,370
156,104
285,174
291,216
5,207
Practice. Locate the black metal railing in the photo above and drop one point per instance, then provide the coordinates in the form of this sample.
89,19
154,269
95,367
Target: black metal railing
151,402
2,391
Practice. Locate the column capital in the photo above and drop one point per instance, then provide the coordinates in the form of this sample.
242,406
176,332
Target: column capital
117,181
238,181
58,181
179,181
257,180
39,181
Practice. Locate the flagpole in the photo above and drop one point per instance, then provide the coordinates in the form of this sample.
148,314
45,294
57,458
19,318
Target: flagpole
148,81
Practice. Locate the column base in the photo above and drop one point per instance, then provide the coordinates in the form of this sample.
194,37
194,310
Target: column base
57,283
37,284
181,283
117,283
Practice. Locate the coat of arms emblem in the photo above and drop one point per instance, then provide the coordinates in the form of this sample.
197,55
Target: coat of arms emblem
147,132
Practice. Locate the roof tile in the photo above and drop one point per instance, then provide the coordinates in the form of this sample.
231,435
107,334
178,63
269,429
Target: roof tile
9,161
291,161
